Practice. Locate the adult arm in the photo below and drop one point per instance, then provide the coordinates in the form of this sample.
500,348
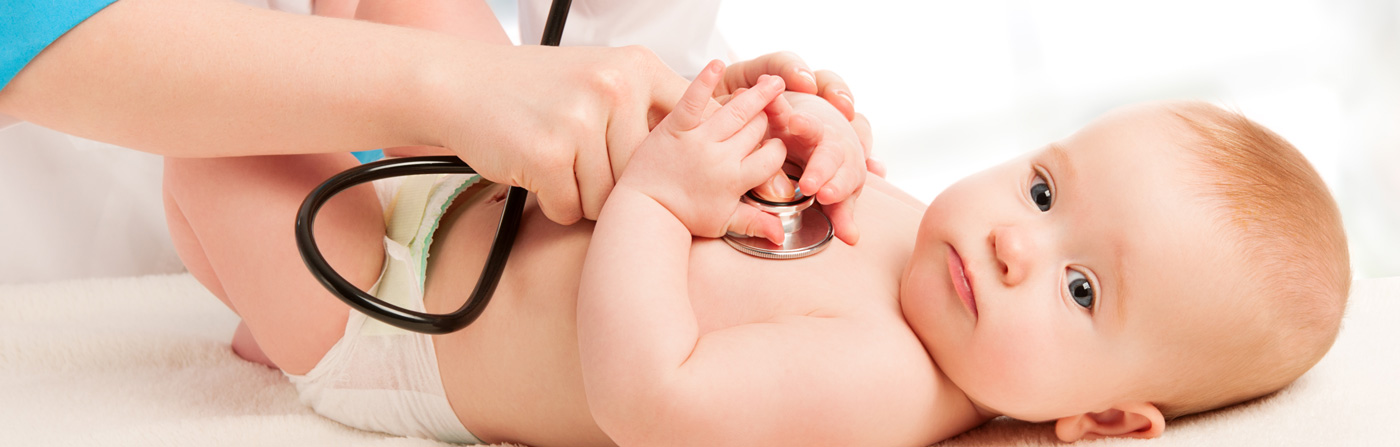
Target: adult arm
211,78
204,78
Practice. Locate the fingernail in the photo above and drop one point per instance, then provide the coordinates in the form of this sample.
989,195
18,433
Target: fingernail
783,188
807,74
847,96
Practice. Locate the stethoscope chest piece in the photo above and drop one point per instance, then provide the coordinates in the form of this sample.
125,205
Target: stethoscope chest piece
806,230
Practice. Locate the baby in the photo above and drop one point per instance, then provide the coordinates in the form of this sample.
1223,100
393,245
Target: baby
1167,259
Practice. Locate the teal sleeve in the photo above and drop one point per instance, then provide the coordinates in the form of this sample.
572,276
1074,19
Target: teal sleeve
29,26
368,156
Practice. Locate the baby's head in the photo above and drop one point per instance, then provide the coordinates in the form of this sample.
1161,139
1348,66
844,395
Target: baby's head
1167,259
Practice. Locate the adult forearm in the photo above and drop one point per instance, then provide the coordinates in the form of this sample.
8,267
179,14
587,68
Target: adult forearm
197,78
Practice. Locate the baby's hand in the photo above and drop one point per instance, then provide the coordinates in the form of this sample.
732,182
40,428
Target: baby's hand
697,166
831,152
800,78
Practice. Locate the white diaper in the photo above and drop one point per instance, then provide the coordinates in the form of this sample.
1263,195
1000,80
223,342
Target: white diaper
379,377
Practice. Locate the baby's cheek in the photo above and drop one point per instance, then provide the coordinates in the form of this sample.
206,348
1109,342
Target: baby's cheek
1024,362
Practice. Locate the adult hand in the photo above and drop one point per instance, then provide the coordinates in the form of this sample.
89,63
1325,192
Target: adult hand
796,75
563,121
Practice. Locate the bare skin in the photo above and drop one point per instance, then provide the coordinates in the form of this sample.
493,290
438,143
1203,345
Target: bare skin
526,344
846,340
513,376
290,323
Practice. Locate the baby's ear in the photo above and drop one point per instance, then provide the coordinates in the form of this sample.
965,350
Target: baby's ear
1132,420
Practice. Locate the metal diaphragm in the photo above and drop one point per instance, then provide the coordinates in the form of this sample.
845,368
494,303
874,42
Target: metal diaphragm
806,230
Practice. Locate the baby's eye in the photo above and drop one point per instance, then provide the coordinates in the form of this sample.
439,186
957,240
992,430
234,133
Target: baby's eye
1040,193
1081,289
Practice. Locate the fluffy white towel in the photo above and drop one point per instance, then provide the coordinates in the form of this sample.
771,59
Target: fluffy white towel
146,361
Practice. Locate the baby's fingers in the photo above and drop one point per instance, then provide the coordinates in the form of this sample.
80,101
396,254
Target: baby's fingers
750,221
805,129
778,188
823,166
756,169
691,109
759,166
742,108
843,219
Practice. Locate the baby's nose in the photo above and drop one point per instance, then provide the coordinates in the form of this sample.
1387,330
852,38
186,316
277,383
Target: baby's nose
1014,248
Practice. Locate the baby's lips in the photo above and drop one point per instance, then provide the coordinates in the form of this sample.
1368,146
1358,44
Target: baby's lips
777,189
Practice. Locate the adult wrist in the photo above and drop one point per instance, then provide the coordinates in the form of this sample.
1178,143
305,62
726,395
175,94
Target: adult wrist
428,103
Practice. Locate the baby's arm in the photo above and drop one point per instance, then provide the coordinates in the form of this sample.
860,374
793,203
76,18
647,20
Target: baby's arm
651,378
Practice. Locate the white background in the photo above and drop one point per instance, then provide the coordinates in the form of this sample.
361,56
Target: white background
952,87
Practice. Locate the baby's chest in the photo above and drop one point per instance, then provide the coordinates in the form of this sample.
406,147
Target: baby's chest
728,288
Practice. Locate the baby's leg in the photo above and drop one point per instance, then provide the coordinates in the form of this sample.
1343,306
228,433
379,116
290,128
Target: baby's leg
232,221
192,254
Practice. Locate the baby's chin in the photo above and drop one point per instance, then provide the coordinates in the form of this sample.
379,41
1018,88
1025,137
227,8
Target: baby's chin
905,290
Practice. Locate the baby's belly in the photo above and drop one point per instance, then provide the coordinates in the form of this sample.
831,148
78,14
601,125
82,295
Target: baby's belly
513,375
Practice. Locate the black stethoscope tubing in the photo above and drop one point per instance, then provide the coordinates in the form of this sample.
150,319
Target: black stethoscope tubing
374,307
495,261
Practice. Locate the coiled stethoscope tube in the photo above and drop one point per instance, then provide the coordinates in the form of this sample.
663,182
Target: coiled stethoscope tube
495,261
376,308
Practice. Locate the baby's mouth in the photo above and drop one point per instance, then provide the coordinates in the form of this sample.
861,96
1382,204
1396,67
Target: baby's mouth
957,271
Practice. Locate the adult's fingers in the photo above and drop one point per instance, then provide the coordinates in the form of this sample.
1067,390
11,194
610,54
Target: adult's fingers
558,192
690,111
743,108
594,173
794,71
832,88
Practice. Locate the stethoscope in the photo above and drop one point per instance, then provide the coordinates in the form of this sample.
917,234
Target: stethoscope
807,231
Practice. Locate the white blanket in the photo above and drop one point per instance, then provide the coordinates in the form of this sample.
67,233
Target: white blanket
146,361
